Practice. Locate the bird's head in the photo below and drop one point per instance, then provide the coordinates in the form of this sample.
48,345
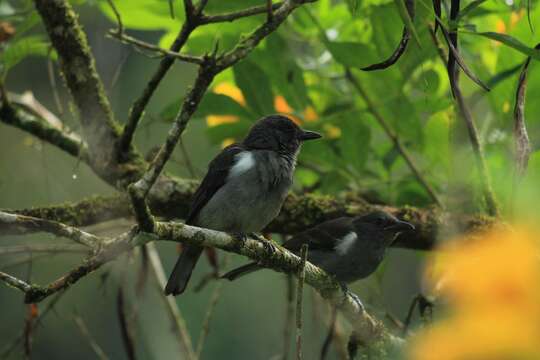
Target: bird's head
381,226
278,133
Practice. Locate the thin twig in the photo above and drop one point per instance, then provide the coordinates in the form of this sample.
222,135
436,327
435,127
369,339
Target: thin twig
126,329
145,45
14,282
299,298
170,303
373,108
117,16
289,313
14,224
232,16
209,312
330,335
81,325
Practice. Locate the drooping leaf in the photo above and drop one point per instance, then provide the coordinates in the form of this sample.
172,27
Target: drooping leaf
400,49
459,60
468,9
407,19
355,139
255,86
522,146
510,42
19,49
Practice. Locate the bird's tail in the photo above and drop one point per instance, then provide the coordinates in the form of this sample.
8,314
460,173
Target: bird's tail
241,271
182,270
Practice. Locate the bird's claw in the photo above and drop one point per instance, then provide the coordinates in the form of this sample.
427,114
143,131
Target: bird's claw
355,297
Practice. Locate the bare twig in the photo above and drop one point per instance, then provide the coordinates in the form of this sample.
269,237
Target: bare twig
128,338
330,335
145,45
170,303
14,282
206,323
232,16
289,313
81,325
117,16
32,315
16,115
19,224
373,108
42,248
299,298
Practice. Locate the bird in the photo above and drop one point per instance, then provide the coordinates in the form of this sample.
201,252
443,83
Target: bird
244,187
348,248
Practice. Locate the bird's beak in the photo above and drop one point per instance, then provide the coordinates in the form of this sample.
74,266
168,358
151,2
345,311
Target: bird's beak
308,135
400,226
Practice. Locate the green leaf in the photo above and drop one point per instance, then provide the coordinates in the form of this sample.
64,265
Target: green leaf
407,20
351,54
355,139
255,86
468,9
510,42
18,50
279,63
145,14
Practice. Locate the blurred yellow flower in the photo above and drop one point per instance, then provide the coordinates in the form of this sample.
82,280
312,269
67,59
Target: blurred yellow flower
492,286
281,105
226,142
331,131
231,91
310,114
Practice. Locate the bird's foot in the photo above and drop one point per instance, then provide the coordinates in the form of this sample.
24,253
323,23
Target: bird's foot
241,237
355,297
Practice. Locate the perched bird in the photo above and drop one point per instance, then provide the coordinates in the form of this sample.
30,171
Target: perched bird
244,187
349,248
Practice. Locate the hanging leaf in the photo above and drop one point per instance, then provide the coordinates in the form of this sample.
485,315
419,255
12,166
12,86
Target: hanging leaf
522,145
408,20
459,60
22,48
510,42
437,11
351,54
468,9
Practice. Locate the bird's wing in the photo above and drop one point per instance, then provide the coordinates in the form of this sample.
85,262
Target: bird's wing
216,176
323,236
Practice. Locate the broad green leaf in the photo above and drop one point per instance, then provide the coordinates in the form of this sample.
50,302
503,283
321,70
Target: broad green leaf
279,63
255,86
145,14
510,42
354,140
18,50
236,131
351,54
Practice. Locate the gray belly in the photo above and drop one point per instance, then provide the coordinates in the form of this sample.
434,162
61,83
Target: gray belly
244,204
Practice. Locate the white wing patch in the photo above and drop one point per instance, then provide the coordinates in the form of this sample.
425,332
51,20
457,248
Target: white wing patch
244,162
345,243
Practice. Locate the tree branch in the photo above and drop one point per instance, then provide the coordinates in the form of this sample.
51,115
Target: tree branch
13,224
235,15
78,67
19,117
170,198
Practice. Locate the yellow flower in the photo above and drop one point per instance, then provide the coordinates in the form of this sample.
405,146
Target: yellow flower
233,92
331,131
310,114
